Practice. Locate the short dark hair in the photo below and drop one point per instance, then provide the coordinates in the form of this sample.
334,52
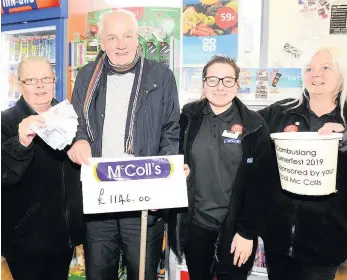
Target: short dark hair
221,59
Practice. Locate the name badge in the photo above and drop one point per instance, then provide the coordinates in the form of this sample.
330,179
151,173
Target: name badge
230,134
231,141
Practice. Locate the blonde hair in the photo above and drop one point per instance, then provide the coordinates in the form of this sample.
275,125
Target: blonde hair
337,57
114,12
32,59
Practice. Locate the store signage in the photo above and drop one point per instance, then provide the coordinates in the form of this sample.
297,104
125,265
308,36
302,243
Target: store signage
138,11
132,184
15,6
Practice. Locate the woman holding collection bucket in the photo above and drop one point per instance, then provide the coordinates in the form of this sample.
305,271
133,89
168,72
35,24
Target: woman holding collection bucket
307,235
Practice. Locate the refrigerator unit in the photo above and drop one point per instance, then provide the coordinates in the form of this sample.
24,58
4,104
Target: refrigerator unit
40,29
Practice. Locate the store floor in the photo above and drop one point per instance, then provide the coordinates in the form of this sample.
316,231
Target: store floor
6,275
341,275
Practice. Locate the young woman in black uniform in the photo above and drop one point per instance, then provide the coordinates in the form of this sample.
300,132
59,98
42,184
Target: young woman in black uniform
227,147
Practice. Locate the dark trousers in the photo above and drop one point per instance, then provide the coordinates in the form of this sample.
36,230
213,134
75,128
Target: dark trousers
282,267
199,253
40,267
106,237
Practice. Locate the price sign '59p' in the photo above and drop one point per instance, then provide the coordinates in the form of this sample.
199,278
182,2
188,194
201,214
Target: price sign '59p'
117,185
226,17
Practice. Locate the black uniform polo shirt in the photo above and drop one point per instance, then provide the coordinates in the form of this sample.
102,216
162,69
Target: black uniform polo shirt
318,122
216,160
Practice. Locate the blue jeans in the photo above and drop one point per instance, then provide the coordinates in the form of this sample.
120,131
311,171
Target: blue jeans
282,267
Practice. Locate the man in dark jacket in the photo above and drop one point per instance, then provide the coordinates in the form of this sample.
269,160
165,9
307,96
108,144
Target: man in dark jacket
127,106
42,217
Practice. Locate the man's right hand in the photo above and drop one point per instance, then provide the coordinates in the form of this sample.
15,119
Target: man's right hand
25,132
80,152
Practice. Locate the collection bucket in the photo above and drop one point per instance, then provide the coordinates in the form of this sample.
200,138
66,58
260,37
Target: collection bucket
307,161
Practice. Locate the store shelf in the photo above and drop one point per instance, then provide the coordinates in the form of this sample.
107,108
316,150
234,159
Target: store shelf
37,31
17,62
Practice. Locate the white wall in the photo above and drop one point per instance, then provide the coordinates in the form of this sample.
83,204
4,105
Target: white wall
249,33
304,31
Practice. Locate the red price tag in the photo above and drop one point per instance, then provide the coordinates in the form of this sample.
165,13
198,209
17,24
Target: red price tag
226,17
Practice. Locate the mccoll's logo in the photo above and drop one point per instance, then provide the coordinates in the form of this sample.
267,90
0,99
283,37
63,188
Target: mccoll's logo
133,170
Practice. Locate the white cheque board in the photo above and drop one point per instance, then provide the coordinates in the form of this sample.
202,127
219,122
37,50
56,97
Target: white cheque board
132,184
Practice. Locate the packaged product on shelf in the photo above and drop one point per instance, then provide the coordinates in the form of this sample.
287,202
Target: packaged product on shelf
51,48
17,49
276,79
167,41
11,48
80,51
143,44
44,46
153,48
23,48
37,46
77,267
260,255
92,49
164,52
31,51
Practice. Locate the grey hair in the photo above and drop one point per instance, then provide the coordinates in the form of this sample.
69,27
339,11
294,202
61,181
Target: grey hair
342,98
33,59
123,11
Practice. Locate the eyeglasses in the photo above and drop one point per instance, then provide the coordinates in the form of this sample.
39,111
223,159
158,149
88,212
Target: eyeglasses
228,82
34,81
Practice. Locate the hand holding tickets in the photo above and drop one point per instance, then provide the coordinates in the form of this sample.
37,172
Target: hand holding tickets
25,132
61,125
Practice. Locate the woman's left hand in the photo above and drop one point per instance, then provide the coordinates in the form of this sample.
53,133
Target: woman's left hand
242,248
329,128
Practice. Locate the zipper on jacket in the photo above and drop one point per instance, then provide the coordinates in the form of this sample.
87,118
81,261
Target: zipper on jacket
293,231
186,133
66,209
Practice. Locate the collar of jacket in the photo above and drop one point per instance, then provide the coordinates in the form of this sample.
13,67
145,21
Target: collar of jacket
134,70
303,111
26,109
247,116
149,82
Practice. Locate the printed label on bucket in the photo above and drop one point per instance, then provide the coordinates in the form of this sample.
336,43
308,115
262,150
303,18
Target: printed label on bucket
307,164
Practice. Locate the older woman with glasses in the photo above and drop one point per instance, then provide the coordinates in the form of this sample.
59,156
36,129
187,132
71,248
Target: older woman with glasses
307,235
226,147
42,216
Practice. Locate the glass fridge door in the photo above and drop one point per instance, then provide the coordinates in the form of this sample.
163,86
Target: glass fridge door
18,44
